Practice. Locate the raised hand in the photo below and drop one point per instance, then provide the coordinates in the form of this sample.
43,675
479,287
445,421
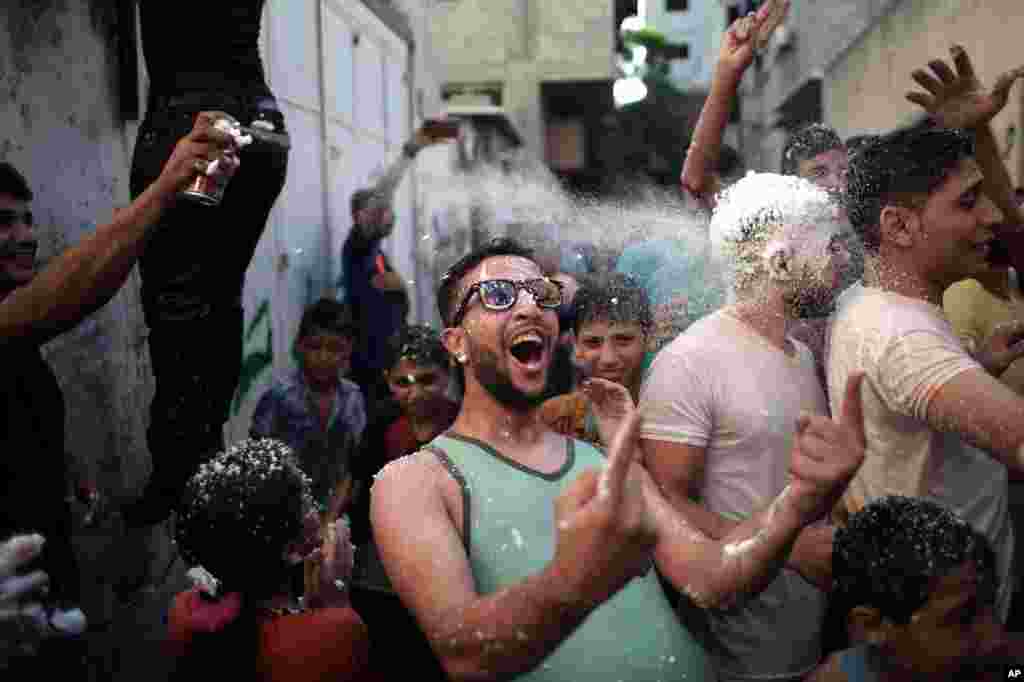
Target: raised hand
610,403
826,455
605,533
1002,347
748,34
959,100
197,151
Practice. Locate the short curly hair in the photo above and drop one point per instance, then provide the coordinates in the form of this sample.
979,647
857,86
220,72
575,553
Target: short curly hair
890,553
240,512
419,343
614,297
806,143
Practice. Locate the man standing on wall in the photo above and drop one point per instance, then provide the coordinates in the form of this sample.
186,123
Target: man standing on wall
192,278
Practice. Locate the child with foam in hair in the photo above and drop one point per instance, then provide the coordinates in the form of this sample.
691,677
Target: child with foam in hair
246,518
918,585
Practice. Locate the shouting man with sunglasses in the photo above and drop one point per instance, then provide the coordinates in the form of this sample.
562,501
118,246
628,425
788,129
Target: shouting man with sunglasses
523,553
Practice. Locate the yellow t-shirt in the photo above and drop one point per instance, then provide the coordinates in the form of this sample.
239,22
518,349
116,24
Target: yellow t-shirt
975,312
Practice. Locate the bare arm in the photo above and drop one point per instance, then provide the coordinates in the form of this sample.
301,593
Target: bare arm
603,540
735,55
985,412
86,276
678,470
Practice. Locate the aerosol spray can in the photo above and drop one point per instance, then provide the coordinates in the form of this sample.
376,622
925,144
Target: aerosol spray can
207,188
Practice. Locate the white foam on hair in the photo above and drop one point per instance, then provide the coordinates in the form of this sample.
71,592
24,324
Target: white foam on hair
756,212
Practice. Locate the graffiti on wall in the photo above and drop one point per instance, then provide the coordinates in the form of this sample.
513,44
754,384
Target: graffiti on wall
257,354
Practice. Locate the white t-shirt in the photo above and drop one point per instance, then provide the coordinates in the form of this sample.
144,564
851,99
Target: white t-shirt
908,351
722,386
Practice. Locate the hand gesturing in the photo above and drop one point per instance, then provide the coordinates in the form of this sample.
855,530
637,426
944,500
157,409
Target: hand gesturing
959,100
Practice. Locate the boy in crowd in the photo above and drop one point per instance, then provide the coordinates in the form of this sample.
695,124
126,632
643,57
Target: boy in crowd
419,410
920,585
612,321
316,411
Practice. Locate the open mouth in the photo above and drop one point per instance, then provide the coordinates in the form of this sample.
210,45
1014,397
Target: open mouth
528,349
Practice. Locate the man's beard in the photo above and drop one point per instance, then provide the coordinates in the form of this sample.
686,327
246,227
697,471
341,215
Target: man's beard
488,374
812,300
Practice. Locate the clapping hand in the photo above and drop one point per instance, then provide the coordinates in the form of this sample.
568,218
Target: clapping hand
610,403
605,531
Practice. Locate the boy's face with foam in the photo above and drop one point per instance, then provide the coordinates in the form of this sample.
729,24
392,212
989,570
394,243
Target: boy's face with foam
944,634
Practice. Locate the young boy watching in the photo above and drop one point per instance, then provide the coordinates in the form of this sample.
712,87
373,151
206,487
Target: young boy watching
317,412
417,375
919,587
612,323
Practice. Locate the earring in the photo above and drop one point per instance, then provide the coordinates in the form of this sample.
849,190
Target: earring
461,357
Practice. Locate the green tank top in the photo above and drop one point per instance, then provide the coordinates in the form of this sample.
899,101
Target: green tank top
509,531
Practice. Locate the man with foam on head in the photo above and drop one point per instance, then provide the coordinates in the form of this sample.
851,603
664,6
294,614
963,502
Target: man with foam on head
720,400
940,424
525,554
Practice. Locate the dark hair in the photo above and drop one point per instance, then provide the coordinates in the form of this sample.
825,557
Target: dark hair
730,163
419,343
238,515
448,288
855,143
614,297
806,143
891,552
13,183
897,169
327,315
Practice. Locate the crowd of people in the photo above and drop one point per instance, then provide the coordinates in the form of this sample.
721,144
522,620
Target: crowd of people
801,473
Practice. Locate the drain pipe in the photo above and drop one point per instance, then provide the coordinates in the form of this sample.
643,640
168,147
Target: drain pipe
419,272
328,287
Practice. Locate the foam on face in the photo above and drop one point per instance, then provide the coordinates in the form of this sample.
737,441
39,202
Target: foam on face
763,208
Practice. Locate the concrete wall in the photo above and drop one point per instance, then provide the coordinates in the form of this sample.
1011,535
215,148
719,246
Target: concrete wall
345,81
519,44
59,123
865,86
700,27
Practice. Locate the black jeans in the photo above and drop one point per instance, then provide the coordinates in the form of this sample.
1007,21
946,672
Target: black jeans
193,271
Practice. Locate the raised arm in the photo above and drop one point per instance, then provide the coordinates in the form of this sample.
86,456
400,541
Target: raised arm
603,539
86,276
427,135
719,573
959,100
734,57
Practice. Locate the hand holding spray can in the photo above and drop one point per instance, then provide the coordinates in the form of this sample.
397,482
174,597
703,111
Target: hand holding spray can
207,188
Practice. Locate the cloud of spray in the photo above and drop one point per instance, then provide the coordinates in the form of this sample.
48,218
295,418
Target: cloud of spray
665,241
